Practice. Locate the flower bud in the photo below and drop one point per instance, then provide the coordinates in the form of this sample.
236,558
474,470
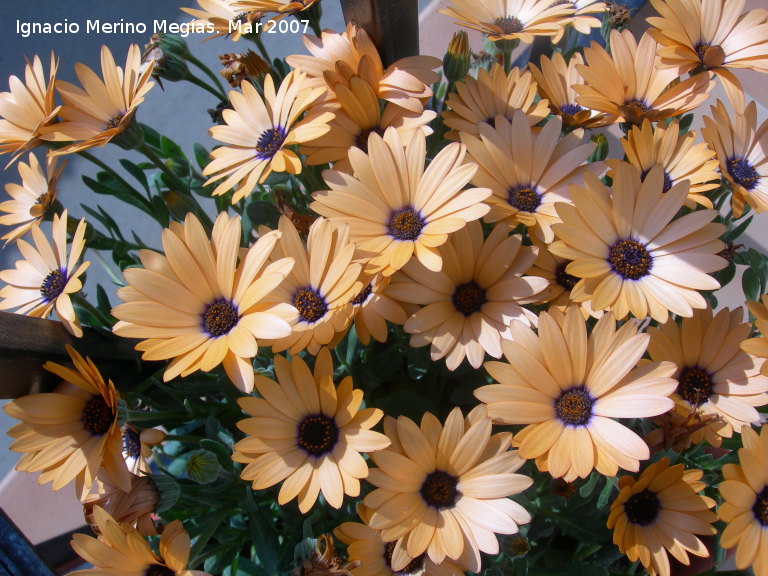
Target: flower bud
167,65
457,59
203,466
601,152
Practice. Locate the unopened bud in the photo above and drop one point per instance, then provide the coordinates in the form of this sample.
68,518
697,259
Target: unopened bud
457,59
601,151
166,65
203,466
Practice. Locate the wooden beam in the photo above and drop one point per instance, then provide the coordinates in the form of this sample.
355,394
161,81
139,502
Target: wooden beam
393,25
27,343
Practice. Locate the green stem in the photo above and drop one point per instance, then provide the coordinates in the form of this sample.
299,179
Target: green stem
173,179
90,157
262,48
198,82
208,72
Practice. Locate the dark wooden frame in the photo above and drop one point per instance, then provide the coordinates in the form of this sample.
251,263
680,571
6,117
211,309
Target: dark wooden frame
392,24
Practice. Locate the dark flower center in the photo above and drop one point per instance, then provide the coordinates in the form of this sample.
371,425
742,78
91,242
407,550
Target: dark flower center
439,489
317,434
567,281
363,295
97,416
406,223
159,570
414,566
468,298
131,443
524,197
270,141
361,141
667,180
571,109
694,385
630,259
642,508
220,317
509,24
310,304
710,56
574,407
637,105
114,122
760,507
53,285
701,51
743,173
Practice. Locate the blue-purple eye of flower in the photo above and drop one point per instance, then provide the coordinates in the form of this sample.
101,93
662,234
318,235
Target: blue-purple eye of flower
743,173
270,141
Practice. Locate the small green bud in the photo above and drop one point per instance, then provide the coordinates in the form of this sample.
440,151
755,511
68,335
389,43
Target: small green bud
203,466
601,152
174,45
167,65
457,59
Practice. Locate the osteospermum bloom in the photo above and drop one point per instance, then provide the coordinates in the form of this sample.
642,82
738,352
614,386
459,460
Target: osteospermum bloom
259,130
716,379
712,35
742,149
568,388
443,490
282,7
33,199
320,287
135,507
121,550
373,308
374,556
511,19
224,17
102,109
137,447
627,84
199,304
405,83
72,432
397,209
469,304
307,433
44,280
759,346
661,512
745,502
628,251
555,83
583,19
528,170
646,146
358,116
27,108
479,100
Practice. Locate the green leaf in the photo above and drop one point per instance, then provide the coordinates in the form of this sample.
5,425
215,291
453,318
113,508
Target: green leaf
131,197
580,568
169,491
169,148
750,284
261,212
135,171
202,156
734,233
264,539
605,493
223,453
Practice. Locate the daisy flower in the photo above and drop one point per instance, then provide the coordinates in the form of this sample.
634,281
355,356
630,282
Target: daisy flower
282,7
72,432
137,447
102,109
443,490
568,388
32,200
121,550
135,507
511,19
373,308
307,433
714,35
716,379
479,100
742,150
374,556
44,280
27,108
397,209
320,288
759,346
660,513
405,83
358,116
627,84
223,16
528,169
201,307
555,81
630,254
469,304
259,130
583,19
646,146
744,491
